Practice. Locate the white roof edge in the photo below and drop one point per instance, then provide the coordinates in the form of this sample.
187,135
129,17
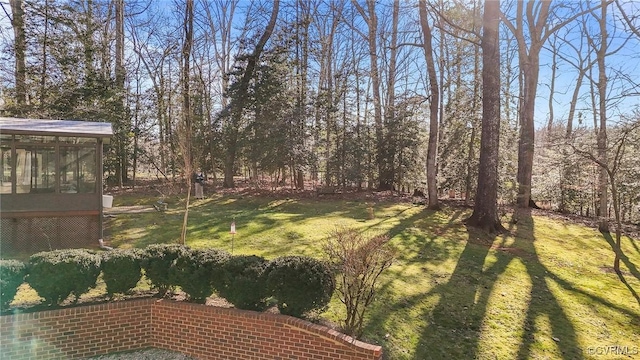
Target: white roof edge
55,127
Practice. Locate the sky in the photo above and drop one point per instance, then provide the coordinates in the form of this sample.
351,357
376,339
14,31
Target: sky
624,63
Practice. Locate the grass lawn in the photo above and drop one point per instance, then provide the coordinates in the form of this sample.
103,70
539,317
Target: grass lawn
544,290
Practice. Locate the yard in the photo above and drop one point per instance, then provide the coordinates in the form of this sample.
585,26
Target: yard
544,290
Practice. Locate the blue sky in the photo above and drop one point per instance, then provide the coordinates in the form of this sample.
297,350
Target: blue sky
625,63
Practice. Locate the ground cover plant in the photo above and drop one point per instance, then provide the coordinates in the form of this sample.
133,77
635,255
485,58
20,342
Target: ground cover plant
544,289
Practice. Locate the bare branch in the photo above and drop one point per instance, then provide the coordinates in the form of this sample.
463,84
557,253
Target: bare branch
633,29
455,26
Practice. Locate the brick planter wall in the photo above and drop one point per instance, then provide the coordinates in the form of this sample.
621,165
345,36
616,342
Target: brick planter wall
77,332
204,332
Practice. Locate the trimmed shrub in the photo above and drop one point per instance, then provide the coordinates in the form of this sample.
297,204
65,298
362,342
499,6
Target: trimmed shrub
57,274
158,261
244,283
196,271
300,284
121,270
12,273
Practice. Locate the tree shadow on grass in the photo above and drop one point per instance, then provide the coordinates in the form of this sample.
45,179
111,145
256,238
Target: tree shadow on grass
454,326
543,303
633,269
454,323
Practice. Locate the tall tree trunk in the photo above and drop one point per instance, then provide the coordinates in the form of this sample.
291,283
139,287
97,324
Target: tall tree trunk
432,151
538,31
572,105
20,48
120,79
390,122
616,211
602,111
530,70
485,210
385,180
185,136
329,112
45,51
302,56
552,88
474,124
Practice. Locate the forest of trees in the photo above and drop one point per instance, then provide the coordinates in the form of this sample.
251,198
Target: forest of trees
360,94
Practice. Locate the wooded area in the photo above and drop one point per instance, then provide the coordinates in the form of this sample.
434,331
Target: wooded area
357,94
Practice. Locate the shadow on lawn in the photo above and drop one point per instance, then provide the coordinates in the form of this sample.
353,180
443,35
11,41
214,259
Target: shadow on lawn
633,269
543,302
255,218
454,324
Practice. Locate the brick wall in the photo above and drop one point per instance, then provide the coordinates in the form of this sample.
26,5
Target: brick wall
76,332
204,332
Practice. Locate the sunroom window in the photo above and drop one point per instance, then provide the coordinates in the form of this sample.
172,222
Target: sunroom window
77,170
35,169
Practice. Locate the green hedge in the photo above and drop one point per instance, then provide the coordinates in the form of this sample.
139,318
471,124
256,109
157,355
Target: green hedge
12,273
158,261
57,274
244,282
121,270
197,270
300,284
297,284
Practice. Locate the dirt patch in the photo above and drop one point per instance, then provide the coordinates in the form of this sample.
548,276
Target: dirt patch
610,270
155,188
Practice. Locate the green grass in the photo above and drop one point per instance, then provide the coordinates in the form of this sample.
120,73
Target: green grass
541,291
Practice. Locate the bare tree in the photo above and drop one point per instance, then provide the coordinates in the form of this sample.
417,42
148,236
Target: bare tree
601,130
434,100
385,179
186,133
581,62
20,48
600,42
390,108
219,18
303,20
120,88
531,29
611,166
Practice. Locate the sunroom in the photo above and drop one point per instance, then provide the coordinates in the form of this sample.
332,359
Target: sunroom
50,184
